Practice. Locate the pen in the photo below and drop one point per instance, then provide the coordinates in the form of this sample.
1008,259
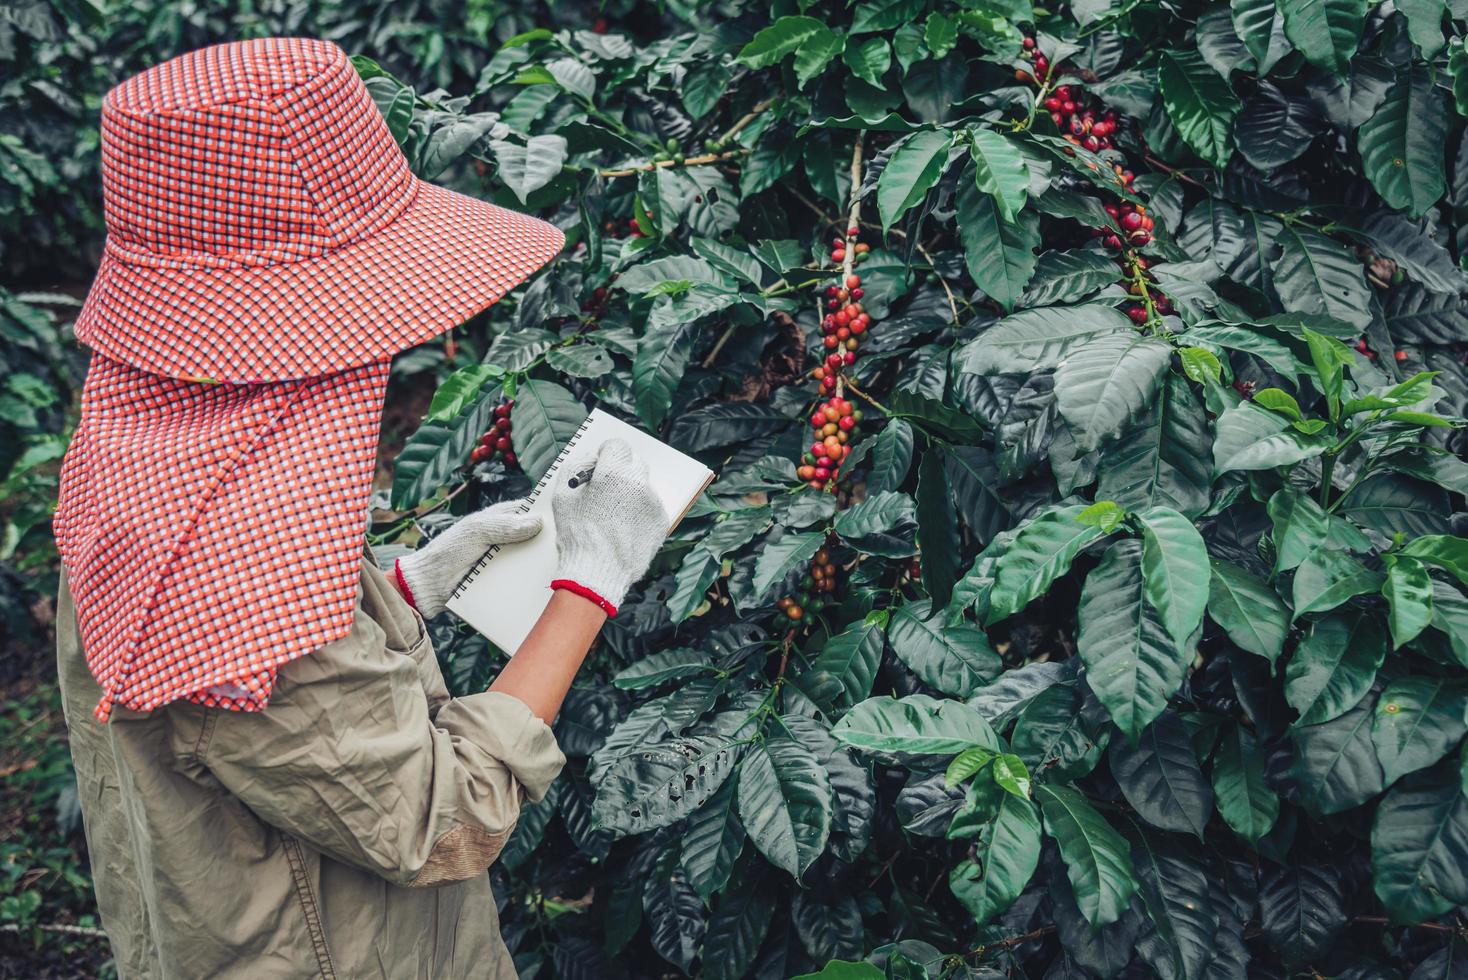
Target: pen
580,478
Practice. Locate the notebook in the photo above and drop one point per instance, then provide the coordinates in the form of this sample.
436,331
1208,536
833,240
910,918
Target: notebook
507,590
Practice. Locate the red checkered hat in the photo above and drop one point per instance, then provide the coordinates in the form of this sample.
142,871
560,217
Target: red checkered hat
263,231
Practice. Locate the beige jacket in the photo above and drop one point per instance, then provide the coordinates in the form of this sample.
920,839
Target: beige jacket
344,832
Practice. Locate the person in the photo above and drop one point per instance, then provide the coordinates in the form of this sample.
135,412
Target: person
273,777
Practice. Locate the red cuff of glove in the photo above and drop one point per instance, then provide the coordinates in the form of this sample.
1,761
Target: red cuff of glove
578,589
397,571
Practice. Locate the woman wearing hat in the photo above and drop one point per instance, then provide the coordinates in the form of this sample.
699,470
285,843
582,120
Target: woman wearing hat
274,779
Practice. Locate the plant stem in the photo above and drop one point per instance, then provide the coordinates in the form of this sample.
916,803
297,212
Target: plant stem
698,161
869,399
746,119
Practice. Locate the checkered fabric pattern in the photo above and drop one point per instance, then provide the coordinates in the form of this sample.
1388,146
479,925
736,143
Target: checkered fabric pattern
268,251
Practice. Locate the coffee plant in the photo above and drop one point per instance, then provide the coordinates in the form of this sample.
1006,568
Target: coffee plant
1079,593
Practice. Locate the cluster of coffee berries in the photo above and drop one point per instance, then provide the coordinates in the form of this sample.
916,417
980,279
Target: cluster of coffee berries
1138,282
596,303
1135,223
498,438
819,582
1040,64
835,422
1081,120
634,230
845,323
859,250
674,152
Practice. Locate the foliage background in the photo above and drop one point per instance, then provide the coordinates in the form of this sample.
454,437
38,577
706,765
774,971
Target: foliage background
1176,684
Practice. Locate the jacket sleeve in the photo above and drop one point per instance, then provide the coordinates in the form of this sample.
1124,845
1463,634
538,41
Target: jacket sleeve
353,757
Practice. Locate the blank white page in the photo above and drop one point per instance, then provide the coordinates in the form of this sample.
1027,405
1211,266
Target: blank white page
506,592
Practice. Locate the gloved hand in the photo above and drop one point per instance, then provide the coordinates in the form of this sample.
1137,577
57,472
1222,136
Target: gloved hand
429,575
608,529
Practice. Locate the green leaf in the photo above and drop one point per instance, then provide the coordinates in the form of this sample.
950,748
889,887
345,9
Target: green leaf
1097,859
1041,552
662,358
1175,889
882,524
1419,848
1103,385
916,725
965,764
583,360
1068,275
1418,721
1012,776
1444,551
712,843
1038,339
1054,734
1335,762
1248,610
519,349
845,970
884,15
784,37
1402,143
1317,274
1005,857
869,58
656,668
738,925
852,657
1251,438
1165,460
785,803
526,169
437,449
891,456
1408,593
660,784
937,529
940,34
1175,570
1160,777
1000,252
1260,26
1327,32
999,170
956,660
913,168
815,54
1245,800
1328,578
1132,664
1335,665
778,559
462,389
1200,104
545,417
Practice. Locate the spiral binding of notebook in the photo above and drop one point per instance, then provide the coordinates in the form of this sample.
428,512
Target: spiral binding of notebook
529,502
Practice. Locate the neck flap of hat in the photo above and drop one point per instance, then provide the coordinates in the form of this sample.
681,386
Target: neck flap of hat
211,533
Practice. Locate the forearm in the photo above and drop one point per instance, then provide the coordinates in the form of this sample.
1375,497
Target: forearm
541,671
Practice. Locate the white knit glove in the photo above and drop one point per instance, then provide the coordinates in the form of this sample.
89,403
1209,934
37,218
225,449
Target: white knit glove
429,575
608,529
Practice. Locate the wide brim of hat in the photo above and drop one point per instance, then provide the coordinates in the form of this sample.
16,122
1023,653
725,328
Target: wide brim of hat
445,258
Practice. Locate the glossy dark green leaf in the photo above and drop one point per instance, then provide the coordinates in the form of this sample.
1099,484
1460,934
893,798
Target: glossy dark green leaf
785,803
1106,383
1000,252
1408,594
1067,276
1402,144
1132,663
1004,860
712,843
1325,31
956,660
1200,104
660,784
1248,610
1246,801
545,417
912,169
1335,762
1176,893
829,926
1334,665
1041,552
937,529
738,924
1301,910
891,456
1165,459
1419,847
1097,859
1418,721
779,559
851,657
916,725
1038,339
1317,274
437,449
1161,779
